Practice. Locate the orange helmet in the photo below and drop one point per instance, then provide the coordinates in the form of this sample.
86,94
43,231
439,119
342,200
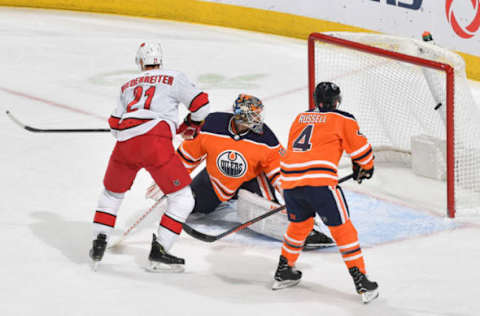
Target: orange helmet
248,110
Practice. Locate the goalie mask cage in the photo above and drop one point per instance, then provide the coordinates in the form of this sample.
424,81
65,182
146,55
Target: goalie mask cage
392,86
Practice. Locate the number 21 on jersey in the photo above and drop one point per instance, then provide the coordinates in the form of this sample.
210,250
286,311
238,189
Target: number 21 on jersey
138,94
302,142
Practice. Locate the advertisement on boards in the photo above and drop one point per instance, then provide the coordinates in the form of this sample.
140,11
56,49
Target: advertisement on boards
455,24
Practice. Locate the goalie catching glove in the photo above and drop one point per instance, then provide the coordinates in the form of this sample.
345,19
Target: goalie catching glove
189,128
359,174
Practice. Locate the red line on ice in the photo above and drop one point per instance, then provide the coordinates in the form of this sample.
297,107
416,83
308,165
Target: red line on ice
55,104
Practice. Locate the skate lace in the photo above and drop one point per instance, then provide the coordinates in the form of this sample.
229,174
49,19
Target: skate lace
283,265
357,276
283,268
100,242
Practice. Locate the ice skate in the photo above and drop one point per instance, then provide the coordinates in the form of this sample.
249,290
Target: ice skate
98,249
161,261
285,276
366,288
317,240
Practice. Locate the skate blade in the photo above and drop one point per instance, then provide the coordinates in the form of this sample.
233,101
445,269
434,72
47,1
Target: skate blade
369,296
94,265
278,285
160,267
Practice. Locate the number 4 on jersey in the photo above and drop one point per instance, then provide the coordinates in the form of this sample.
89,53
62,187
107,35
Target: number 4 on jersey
138,93
302,143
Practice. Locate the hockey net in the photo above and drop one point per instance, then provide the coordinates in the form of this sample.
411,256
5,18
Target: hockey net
413,102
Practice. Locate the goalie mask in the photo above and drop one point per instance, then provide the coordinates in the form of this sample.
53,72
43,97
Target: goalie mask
327,96
248,111
150,54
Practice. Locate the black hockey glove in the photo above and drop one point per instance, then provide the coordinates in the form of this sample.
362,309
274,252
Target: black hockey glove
359,174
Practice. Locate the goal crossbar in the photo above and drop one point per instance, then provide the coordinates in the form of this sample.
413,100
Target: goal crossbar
448,69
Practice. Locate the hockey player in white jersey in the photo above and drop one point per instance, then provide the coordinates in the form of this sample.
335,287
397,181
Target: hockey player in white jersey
143,124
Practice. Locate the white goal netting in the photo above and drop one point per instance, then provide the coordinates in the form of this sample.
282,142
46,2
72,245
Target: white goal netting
394,102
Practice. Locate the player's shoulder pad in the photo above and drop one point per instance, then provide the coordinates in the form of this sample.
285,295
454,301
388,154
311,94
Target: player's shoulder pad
345,114
178,75
267,137
217,123
170,71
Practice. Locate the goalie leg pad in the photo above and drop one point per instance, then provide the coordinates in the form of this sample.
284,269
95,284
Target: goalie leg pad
250,205
154,192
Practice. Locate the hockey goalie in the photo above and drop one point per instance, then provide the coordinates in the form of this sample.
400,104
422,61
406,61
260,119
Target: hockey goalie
242,172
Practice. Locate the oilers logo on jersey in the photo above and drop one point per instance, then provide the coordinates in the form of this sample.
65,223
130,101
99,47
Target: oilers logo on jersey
232,164
231,159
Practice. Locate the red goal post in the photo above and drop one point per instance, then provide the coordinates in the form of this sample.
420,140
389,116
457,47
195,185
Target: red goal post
341,51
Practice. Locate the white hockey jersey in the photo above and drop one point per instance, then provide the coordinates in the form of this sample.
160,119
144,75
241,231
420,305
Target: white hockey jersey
151,97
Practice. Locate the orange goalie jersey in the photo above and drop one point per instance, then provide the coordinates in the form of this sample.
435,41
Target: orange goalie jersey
315,145
232,159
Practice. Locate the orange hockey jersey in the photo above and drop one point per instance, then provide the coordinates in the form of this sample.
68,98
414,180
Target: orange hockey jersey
232,159
315,145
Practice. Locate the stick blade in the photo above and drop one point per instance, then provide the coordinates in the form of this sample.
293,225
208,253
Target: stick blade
198,235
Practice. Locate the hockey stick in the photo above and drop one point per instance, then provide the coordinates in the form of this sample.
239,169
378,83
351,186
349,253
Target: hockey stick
211,238
55,130
138,221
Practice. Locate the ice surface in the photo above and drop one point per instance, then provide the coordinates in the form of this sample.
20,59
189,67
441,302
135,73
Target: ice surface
63,70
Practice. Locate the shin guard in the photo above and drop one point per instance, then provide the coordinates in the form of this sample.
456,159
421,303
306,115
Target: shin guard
106,212
294,239
180,205
346,237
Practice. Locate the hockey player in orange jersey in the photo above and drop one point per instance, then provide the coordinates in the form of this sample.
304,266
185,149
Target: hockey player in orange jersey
241,152
237,148
316,142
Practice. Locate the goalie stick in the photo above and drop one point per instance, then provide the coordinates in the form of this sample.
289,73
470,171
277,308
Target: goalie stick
137,222
211,238
56,130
